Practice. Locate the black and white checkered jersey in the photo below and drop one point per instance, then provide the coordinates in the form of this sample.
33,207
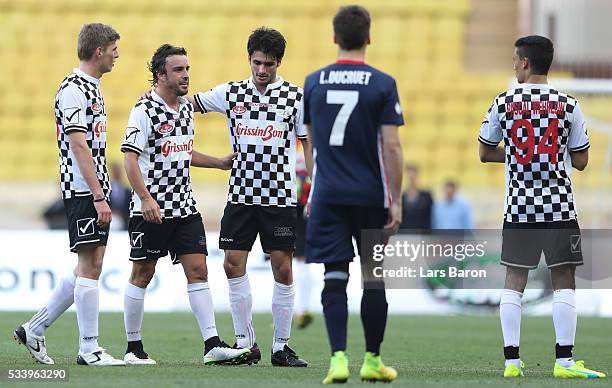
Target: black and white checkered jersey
540,126
263,130
163,139
79,106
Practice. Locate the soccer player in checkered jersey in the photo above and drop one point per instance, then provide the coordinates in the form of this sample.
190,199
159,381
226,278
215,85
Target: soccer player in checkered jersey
352,112
544,136
80,117
159,152
264,115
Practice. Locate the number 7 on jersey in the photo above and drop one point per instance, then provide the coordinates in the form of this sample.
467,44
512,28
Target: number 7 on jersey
348,99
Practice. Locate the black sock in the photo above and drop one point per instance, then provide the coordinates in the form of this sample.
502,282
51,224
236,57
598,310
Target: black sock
564,351
511,352
212,342
134,346
335,310
374,318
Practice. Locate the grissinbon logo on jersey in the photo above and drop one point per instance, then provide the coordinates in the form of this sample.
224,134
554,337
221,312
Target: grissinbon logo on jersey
265,133
96,107
239,109
176,147
165,128
100,128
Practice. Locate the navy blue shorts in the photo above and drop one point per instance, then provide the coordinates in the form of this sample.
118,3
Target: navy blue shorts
332,227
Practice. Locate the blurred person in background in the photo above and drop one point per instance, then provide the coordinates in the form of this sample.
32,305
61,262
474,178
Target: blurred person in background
80,117
120,195
119,201
452,211
417,204
303,275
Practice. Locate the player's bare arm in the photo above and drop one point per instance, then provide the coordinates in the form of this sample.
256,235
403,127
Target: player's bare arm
199,159
580,159
394,160
150,208
307,147
192,101
82,153
490,154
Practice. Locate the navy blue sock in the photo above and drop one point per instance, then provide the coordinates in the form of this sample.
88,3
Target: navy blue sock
374,318
335,309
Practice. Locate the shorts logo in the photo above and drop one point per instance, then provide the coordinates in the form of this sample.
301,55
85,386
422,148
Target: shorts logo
283,231
225,239
165,128
202,241
136,239
239,109
85,227
575,243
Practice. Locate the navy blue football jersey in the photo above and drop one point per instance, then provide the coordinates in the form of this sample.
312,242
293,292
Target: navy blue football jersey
345,105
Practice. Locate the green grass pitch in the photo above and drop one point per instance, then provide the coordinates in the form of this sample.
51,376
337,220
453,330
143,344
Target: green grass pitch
428,351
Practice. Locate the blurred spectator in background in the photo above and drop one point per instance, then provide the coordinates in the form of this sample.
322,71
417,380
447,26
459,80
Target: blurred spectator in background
55,216
302,274
417,204
120,195
453,211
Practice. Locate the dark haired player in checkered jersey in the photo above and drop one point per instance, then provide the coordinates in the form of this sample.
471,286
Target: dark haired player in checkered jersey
80,117
264,115
159,152
544,136
353,115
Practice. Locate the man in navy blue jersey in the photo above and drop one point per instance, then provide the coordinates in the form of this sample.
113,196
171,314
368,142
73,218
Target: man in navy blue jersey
352,112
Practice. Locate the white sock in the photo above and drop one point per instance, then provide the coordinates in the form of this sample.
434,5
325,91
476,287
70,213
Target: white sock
86,299
283,298
303,282
241,302
201,303
61,298
510,316
133,311
564,319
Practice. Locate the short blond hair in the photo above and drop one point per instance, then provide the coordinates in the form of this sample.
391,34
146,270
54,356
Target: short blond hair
92,36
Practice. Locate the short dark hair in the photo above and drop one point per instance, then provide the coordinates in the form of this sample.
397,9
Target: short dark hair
267,40
538,50
352,27
158,61
92,36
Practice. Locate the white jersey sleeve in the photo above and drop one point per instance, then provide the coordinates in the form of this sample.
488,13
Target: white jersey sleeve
137,131
490,130
73,105
578,138
300,127
213,100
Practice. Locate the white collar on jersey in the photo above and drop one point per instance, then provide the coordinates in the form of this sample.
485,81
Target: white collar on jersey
532,86
279,81
89,78
156,97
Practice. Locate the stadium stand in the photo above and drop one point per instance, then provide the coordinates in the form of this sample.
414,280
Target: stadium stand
420,42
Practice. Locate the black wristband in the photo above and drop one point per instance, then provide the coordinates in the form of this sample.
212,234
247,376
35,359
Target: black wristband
100,199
